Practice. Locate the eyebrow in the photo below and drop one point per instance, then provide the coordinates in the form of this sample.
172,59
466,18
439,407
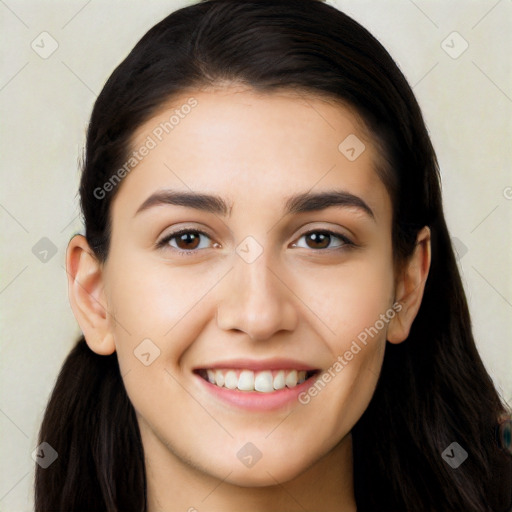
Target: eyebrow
299,203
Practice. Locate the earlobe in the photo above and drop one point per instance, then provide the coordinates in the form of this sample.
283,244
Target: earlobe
410,286
86,295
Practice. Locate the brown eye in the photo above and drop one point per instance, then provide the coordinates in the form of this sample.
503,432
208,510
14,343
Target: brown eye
321,239
187,241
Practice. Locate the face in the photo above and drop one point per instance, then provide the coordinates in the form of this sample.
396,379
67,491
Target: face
268,287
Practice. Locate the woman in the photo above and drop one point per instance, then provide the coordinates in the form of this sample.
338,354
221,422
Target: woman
272,314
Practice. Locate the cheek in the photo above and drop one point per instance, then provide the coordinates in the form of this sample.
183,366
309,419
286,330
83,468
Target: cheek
350,298
158,310
356,304
150,297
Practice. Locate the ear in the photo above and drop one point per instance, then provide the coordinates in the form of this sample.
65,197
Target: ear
86,295
410,285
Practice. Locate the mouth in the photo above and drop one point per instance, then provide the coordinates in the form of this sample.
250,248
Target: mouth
264,381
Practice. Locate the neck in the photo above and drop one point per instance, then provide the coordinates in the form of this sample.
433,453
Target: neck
174,484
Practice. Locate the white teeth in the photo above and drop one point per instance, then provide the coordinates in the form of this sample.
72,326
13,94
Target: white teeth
246,381
291,379
219,378
264,381
279,382
231,380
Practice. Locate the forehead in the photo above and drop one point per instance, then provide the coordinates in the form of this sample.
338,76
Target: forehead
246,145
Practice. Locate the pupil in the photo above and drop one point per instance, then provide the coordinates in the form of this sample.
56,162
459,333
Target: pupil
188,237
318,238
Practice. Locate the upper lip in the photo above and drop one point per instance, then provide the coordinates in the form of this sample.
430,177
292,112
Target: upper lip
258,365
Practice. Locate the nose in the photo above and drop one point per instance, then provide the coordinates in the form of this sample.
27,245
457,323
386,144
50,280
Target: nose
256,299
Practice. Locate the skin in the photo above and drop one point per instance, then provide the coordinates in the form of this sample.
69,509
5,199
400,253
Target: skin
294,301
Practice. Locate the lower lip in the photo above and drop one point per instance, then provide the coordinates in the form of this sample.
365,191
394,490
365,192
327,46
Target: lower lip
256,400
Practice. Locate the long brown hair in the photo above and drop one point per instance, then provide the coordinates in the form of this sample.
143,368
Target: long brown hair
433,389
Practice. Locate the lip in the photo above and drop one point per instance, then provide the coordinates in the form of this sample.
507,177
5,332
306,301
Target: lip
256,366
256,400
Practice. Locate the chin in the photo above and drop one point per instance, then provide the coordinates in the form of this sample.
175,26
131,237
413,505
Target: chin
267,476
267,471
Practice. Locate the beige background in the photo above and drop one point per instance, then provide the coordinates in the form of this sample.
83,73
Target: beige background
45,104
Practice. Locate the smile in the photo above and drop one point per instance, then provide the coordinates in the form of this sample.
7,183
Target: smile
266,381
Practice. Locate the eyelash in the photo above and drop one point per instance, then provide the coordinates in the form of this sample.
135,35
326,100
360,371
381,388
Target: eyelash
347,243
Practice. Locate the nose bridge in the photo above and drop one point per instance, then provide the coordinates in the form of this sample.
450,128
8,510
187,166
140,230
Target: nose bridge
255,299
